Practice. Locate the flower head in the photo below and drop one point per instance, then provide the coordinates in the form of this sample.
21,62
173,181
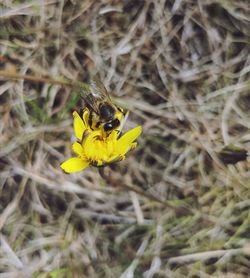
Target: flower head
96,148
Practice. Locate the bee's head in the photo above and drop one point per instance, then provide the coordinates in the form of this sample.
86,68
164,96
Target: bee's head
109,126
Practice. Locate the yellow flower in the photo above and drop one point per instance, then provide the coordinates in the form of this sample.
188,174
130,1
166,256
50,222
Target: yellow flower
96,148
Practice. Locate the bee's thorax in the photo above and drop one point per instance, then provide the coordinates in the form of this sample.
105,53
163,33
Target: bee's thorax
106,111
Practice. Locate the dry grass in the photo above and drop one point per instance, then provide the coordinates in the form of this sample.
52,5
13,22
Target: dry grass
171,209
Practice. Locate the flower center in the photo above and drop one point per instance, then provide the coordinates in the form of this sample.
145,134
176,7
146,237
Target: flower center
98,149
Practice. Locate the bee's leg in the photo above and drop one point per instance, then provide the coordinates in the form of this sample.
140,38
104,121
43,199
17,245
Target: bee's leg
121,110
81,112
98,124
90,120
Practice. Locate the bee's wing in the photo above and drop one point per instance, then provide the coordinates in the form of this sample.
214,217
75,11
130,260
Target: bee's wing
123,121
98,90
96,93
90,101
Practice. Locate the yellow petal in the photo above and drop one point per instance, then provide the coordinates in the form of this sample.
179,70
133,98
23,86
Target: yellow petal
74,164
114,158
85,116
77,148
125,143
133,145
79,126
113,135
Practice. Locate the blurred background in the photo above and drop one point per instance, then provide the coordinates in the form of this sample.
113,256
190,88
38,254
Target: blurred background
178,206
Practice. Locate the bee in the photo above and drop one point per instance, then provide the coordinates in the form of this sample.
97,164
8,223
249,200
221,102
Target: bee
104,114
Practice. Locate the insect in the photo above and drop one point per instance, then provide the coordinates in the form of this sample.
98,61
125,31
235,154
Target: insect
104,113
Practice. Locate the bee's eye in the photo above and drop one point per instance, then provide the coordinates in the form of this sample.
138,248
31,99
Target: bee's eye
111,125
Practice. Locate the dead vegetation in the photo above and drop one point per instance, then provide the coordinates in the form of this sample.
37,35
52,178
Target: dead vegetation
172,208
